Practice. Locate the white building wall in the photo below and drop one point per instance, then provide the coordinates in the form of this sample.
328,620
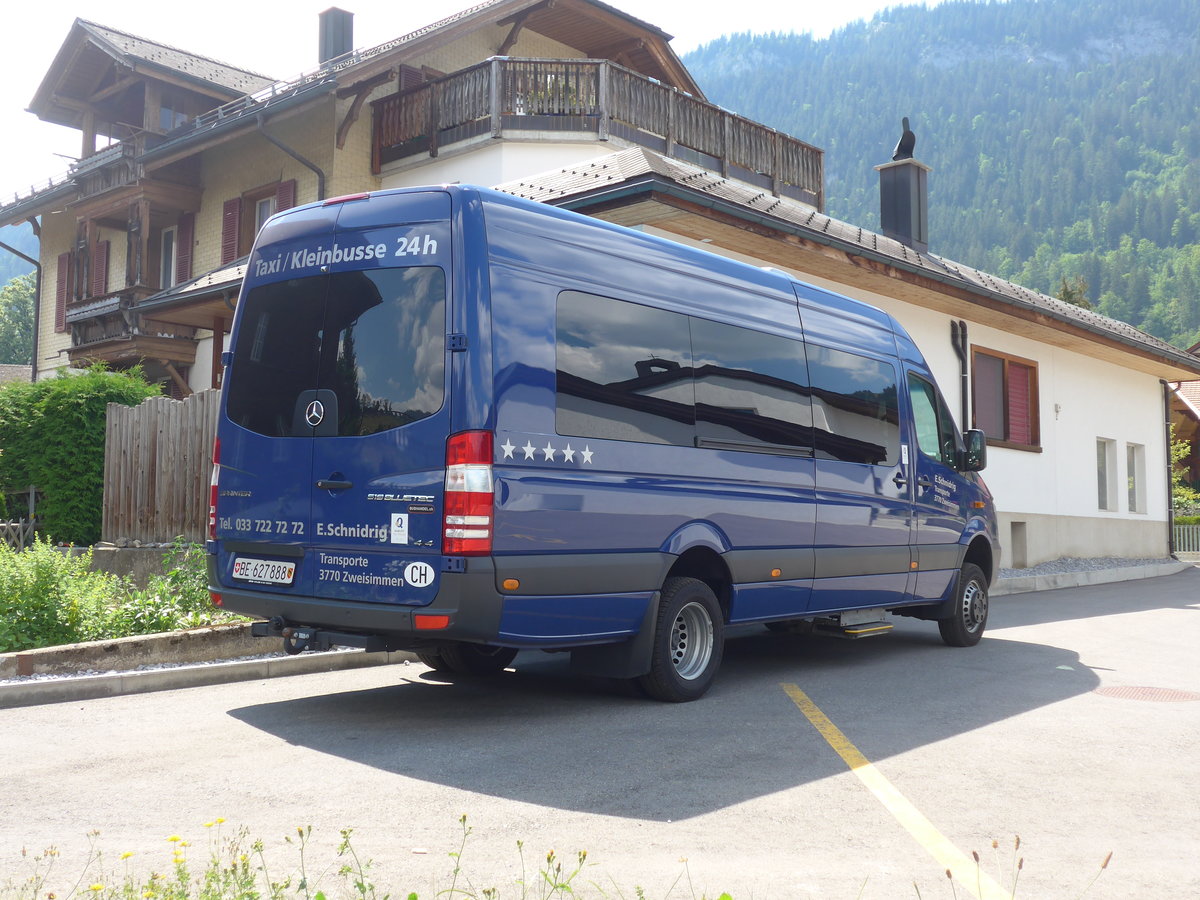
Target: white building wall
494,162
1048,501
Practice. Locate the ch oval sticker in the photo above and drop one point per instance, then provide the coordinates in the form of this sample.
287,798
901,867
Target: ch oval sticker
418,574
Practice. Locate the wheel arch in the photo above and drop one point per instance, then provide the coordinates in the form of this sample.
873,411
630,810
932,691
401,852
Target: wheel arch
705,564
979,552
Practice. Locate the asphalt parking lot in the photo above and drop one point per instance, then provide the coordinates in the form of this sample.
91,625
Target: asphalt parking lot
814,768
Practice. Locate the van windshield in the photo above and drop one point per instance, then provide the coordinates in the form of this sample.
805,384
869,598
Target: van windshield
368,343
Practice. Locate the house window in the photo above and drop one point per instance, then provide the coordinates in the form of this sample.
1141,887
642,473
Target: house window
1005,399
1135,477
1106,474
242,217
167,257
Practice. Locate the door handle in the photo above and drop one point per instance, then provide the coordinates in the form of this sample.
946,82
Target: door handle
899,480
925,482
329,485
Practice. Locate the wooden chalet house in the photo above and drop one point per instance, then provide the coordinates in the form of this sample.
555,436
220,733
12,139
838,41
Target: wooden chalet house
183,157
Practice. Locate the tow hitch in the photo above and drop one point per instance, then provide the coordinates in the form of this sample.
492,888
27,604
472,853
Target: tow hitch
298,638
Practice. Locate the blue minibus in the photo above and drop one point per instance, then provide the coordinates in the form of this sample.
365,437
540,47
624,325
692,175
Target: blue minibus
464,424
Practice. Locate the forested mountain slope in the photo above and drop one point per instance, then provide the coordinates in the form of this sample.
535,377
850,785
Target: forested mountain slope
1063,136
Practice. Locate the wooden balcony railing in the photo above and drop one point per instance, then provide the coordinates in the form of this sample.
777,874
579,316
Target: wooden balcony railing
507,97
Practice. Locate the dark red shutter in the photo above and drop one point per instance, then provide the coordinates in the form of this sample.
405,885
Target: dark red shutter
99,269
231,229
61,286
185,236
1020,406
285,195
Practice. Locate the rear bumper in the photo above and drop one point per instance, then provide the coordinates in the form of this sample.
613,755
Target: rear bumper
468,599
546,614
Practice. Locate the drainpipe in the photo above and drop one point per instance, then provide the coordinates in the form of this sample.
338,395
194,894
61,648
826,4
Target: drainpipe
958,340
37,304
262,129
1166,391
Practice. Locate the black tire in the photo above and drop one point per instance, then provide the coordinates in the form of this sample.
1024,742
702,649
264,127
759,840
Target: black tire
965,627
689,640
433,659
474,659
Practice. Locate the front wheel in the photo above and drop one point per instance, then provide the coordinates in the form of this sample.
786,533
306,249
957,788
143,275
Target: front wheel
965,626
689,639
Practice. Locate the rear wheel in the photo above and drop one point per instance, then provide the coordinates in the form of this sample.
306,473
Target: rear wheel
965,626
433,659
468,659
689,639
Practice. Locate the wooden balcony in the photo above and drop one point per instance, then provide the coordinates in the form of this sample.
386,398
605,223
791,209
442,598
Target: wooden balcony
510,98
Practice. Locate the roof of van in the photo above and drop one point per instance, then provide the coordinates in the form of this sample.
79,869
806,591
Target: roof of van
635,172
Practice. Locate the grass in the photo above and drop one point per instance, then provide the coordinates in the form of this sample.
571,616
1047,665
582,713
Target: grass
235,867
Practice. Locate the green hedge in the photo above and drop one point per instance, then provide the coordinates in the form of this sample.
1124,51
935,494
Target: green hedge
52,436
50,596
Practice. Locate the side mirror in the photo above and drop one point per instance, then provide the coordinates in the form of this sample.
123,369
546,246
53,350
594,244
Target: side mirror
975,456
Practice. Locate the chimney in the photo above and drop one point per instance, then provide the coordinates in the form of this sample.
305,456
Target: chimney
336,34
904,195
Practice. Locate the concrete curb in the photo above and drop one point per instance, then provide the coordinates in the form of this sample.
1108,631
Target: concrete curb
194,648
112,684
1024,584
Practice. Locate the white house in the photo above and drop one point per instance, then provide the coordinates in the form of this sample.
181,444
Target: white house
577,104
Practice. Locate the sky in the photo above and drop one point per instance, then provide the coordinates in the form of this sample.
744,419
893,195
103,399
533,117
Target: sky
280,40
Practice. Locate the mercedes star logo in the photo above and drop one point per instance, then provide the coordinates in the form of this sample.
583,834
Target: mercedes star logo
314,413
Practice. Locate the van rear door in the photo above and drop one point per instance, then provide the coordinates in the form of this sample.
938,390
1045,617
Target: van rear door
333,447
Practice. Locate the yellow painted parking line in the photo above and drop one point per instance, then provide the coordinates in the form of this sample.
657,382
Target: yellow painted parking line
965,870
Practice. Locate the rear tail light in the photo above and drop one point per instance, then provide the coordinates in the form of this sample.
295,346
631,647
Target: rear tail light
212,490
470,494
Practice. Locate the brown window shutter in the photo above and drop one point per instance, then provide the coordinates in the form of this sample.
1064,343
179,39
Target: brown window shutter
285,195
231,229
100,269
1020,404
61,286
185,237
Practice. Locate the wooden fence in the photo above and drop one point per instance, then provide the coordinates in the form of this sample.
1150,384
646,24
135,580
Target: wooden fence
18,534
157,465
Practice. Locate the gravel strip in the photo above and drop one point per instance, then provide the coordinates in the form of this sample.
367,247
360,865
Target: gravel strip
1072,564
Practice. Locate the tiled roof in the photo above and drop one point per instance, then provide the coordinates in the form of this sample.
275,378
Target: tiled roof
129,46
608,173
214,281
1189,393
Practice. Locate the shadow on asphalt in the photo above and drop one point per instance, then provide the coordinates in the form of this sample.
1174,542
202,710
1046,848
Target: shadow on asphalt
539,735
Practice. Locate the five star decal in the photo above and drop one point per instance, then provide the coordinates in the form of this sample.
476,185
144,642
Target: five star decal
549,453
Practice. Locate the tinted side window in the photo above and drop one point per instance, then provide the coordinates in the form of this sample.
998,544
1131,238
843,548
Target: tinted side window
937,437
855,411
750,387
624,371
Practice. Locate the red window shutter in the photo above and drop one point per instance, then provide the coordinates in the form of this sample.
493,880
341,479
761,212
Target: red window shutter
1020,406
285,195
99,284
185,237
61,286
231,229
